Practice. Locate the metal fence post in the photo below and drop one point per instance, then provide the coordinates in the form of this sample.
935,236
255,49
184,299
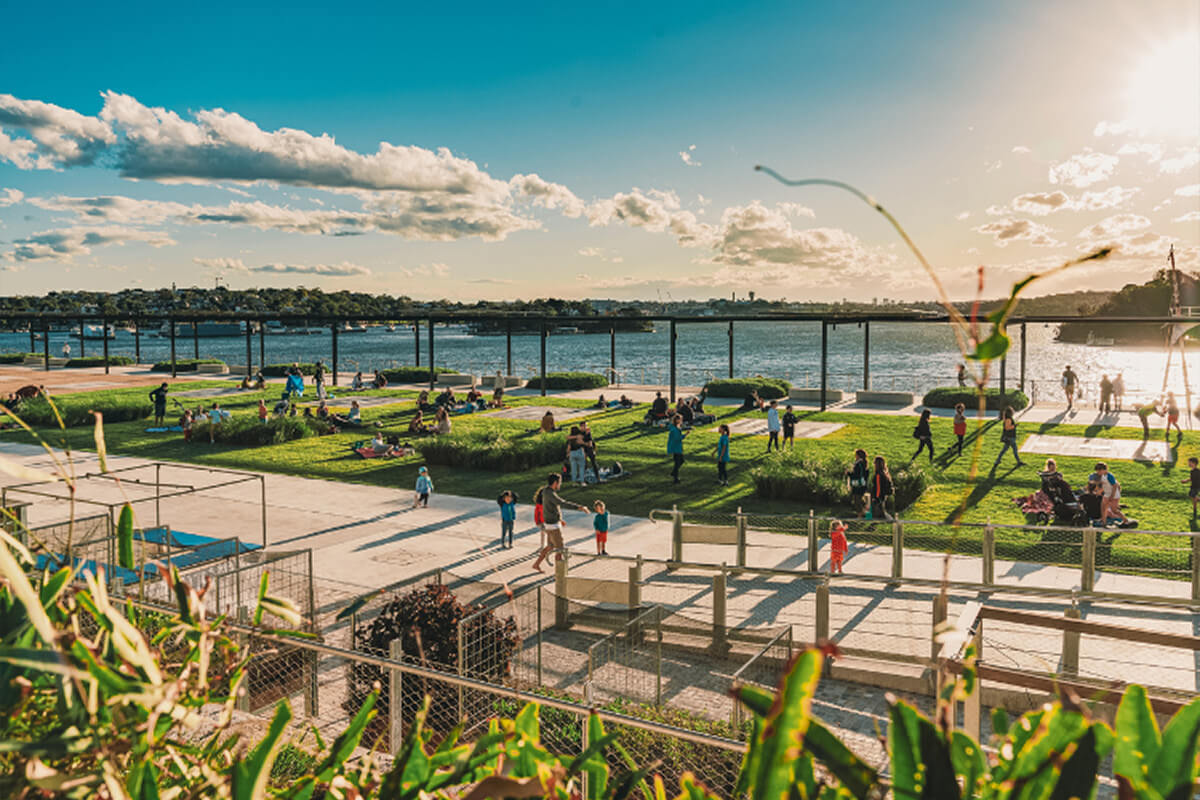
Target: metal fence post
1087,575
243,641
658,657
940,603
395,697
989,554
740,524
897,548
583,742
1070,645
814,552
538,591
822,612
462,671
676,535
719,599
560,593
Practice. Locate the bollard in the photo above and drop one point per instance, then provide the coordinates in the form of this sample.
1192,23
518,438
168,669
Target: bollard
1070,646
989,555
814,552
676,535
897,549
395,698
940,602
560,593
741,538
1087,575
719,599
822,613
635,586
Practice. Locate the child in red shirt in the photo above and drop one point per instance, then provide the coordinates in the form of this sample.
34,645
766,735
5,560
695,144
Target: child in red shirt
960,424
837,549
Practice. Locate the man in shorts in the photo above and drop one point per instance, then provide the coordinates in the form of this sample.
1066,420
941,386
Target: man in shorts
552,516
1069,379
1112,491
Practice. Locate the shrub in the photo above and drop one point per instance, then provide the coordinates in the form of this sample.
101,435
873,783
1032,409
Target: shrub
822,481
14,358
569,380
494,451
116,361
950,396
768,388
247,431
280,370
412,374
426,621
184,364
77,411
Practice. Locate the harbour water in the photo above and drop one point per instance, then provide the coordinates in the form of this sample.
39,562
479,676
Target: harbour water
903,356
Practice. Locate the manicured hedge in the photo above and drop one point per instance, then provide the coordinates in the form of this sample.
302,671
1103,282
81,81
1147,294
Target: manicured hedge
822,481
280,370
569,380
950,396
489,450
77,411
13,358
116,361
184,364
768,388
409,374
246,430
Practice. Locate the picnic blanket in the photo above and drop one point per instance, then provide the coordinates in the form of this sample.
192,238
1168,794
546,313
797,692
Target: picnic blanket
168,429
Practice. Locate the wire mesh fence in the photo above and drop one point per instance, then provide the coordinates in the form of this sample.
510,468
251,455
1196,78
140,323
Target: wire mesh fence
763,669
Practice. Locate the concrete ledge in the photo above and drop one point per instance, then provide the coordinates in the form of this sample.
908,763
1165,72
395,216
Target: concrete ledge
507,381
212,369
456,379
33,361
814,395
58,362
884,398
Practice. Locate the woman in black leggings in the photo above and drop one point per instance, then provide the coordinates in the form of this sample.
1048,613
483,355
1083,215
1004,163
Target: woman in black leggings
923,435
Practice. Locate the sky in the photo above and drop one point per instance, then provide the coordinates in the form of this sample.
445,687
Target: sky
472,151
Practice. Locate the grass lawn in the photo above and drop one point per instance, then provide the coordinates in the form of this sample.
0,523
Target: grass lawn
1153,492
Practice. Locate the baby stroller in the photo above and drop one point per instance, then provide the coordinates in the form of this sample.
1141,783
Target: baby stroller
1055,501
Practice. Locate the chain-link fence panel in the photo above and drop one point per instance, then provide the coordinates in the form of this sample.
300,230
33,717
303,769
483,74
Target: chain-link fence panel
764,669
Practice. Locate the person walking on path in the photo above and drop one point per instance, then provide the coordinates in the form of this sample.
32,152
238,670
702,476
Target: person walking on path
589,448
1069,379
1172,417
859,478
159,396
837,546
723,455
508,517
576,456
1144,412
1118,390
881,489
539,518
1193,479
675,436
424,488
552,514
600,528
789,428
962,376
1008,437
960,424
773,425
923,435
66,349
1106,390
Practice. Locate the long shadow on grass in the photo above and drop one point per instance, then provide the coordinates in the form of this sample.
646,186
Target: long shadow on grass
981,489
949,456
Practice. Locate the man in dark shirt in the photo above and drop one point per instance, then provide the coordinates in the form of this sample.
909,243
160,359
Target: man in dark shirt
1194,479
159,396
589,447
552,518
658,409
789,427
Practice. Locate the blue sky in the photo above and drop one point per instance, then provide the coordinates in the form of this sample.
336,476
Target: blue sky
596,151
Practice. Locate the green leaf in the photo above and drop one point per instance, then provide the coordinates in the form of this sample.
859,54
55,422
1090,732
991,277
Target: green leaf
757,700
346,742
125,538
592,762
856,776
1077,778
1174,769
250,774
53,585
37,660
786,727
751,759
101,447
143,782
920,758
967,757
999,722
1056,731
993,347
1137,740
262,592
355,606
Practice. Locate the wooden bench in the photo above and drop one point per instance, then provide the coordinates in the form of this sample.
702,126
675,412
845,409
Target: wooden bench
455,379
884,398
814,395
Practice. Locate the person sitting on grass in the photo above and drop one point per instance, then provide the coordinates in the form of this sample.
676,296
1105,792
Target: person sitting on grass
322,411
1111,489
497,397
443,421
379,381
381,447
352,419
446,398
658,408
417,425
684,409
1092,501
548,425
625,402
356,383
281,405
753,402
601,403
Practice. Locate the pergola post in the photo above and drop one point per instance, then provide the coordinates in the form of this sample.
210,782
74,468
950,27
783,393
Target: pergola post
32,340
417,343
508,346
46,345
137,341
104,333
262,344
673,335
195,339
1023,338
731,349
612,352
334,328
171,324
1003,371
82,345
432,377
542,335
824,361
249,352
867,356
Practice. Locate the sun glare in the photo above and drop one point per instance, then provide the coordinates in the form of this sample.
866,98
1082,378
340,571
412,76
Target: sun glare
1162,94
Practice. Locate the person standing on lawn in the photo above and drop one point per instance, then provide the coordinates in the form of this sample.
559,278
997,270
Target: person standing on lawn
773,426
1193,478
1008,437
960,424
159,396
675,436
859,478
576,456
508,517
1172,417
723,455
881,489
589,448
1118,389
789,427
1106,390
923,435
552,514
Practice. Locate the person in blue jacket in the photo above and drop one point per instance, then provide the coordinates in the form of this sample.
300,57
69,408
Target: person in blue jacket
508,517
675,436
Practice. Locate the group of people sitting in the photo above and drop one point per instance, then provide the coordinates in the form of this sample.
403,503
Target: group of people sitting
441,425
213,417
1098,504
378,381
690,410
255,384
606,404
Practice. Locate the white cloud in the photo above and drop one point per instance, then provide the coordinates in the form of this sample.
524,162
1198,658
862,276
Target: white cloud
995,211
601,253
345,269
1184,159
757,236
687,156
1021,149
64,244
435,270
1114,226
1042,203
1151,150
1083,169
1009,230
549,195
1189,191
1191,216
58,137
9,197
960,216
1120,128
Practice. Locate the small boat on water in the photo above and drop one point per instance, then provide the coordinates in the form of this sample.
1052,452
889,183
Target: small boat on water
96,332
567,329
1098,341
352,327
204,329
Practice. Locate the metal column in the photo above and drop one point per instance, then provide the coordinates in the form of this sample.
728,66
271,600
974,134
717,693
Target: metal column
32,340
432,377
249,354
333,377
542,334
46,346
731,349
824,361
171,323
82,344
417,343
1003,370
867,356
673,360
104,333
1023,338
195,340
612,353
262,344
137,342
507,347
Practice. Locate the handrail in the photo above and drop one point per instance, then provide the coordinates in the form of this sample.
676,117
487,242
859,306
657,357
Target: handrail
1106,629
737,676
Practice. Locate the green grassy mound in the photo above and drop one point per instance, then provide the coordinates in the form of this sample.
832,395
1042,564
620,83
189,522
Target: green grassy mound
767,388
184,364
950,396
569,380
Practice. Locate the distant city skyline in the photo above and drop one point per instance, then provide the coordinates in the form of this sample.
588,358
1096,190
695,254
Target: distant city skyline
604,151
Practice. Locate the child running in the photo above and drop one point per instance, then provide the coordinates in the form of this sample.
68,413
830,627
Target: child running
837,546
539,518
508,517
1194,479
600,525
960,424
1172,417
424,488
